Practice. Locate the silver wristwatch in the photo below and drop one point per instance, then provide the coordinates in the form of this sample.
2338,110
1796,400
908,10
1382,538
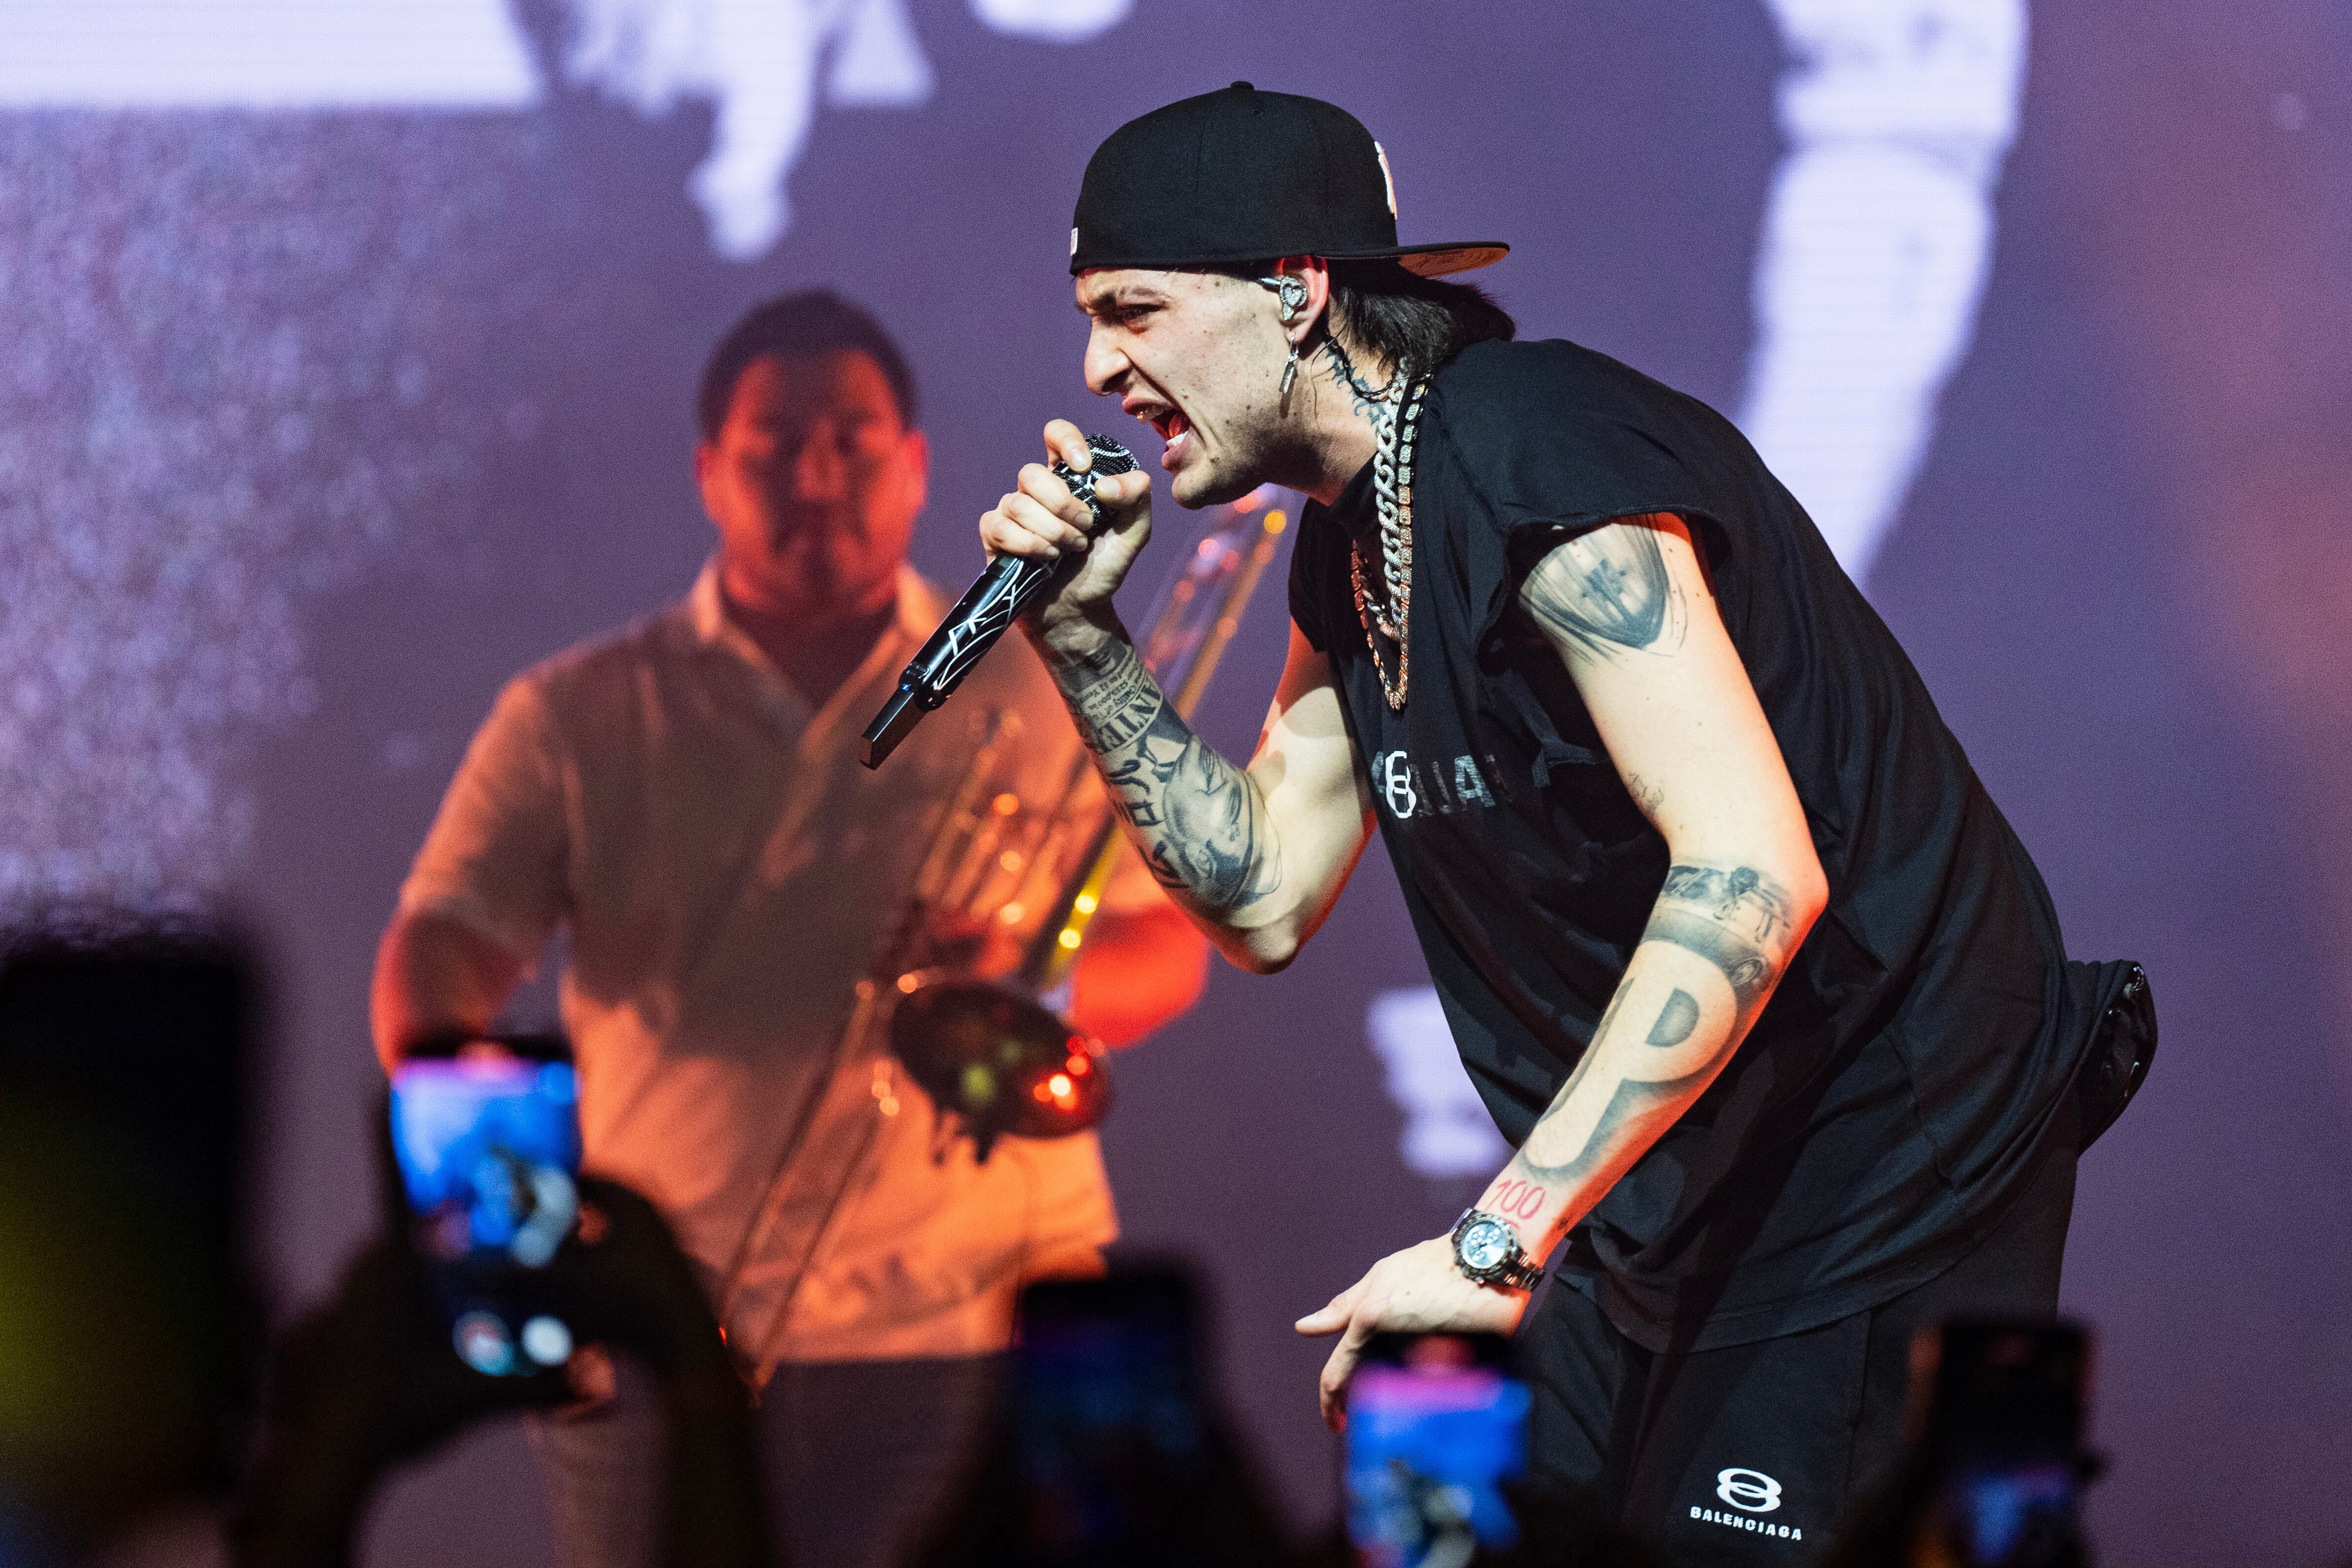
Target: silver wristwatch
1487,1251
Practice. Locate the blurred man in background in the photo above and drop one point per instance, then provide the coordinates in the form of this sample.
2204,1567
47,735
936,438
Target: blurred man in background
682,800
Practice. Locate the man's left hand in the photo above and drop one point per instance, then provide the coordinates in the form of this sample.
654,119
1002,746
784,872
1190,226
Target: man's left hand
1416,1291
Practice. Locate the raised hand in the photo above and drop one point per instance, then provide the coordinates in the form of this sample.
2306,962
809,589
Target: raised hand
1041,519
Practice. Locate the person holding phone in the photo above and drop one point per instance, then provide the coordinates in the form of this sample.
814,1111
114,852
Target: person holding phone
1733,942
682,801
365,1382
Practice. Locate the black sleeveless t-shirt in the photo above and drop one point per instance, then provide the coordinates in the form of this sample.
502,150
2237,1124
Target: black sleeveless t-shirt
1912,1064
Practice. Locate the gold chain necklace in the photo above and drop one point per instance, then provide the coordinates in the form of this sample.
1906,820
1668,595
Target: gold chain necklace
1392,493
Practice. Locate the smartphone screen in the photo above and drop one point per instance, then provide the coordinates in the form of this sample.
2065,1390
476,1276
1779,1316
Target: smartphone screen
1110,1440
488,1143
1108,1448
2004,1432
1436,1427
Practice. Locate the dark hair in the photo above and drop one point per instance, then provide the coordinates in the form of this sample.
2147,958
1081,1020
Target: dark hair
799,326
1409,319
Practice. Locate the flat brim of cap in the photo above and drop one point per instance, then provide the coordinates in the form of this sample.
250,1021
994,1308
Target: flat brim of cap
1427,260
1437,260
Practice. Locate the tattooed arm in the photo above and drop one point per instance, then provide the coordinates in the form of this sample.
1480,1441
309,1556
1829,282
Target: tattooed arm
1717,942
1255,856
1628,608
1200,821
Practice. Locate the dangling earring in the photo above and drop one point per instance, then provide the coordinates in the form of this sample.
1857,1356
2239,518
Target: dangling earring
1290,296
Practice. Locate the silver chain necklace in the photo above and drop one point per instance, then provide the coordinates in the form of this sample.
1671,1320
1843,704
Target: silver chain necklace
1396,417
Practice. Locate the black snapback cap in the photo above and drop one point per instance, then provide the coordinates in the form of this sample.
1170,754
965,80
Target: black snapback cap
1240,176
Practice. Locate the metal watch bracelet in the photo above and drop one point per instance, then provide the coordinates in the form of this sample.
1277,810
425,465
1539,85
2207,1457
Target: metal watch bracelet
1513,1271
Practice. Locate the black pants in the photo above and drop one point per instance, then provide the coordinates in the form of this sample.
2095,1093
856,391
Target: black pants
1756,1453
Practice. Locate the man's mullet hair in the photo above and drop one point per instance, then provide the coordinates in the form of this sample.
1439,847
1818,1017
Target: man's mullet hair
1410,320
799,326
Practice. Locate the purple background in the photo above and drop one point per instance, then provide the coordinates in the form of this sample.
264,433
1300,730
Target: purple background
2123,572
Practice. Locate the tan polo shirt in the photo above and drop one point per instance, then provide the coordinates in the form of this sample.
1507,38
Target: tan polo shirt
726,872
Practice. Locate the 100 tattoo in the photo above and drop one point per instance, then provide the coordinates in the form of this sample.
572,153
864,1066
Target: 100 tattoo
1514,1199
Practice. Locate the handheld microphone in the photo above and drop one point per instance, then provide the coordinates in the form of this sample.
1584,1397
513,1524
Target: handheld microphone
1009,585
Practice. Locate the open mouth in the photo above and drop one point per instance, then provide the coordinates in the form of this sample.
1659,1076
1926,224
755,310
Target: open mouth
1177,432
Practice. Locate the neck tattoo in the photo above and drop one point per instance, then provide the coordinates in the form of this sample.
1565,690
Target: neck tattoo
1374,403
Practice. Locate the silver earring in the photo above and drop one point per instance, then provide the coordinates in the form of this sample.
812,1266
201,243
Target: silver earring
1289,292
1290,298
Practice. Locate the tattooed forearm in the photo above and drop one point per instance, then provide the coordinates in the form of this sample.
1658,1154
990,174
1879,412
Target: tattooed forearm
1738,920
1113,705
1199,820
1670,1027
1606,591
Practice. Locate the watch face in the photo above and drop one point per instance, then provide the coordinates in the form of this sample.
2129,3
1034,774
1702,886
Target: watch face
1487,1245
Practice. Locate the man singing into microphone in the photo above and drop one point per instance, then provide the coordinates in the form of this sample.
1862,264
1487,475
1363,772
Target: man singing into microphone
1734,946
683,800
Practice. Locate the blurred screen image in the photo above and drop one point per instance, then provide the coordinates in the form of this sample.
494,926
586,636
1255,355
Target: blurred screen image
1436,1429
2002,1417
1110,1440
487,1146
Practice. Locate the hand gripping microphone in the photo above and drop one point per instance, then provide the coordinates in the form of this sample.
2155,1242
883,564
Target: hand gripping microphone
1010,584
